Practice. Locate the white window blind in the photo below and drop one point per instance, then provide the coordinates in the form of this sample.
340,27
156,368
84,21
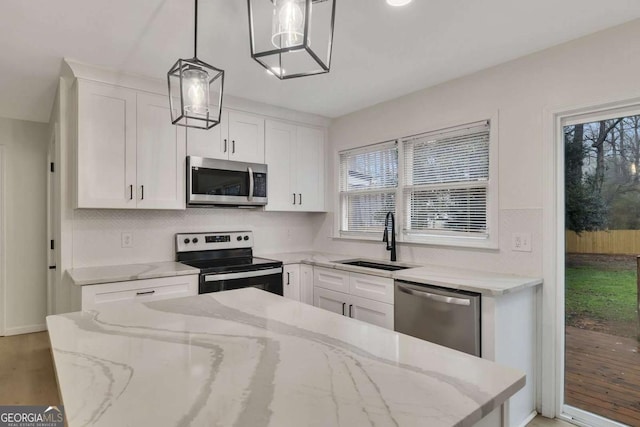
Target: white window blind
368,184
446,176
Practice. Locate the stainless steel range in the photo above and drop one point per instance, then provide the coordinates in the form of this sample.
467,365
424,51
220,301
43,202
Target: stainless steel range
226,261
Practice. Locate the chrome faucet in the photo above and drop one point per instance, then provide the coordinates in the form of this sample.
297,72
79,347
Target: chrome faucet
385,237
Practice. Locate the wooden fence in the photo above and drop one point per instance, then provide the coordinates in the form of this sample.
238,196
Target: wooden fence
604,242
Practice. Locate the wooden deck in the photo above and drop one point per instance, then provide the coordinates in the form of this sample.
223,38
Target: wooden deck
602,374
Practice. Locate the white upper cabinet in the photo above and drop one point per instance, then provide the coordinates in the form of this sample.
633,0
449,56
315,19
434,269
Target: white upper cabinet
279,155
239,136
308,169
209,142
246,137
160,156
106,146
295,156
129,155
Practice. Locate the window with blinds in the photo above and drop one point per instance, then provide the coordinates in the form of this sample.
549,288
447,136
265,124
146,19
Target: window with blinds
445,186
368,185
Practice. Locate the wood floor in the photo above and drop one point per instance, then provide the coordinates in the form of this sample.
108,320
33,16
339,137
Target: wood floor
27,377
602,374
26,371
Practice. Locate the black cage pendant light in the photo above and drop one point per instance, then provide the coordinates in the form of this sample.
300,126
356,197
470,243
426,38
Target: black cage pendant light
292,38
195,90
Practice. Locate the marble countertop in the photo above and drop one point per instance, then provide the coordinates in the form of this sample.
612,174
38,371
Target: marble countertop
121,273
248,357
483,282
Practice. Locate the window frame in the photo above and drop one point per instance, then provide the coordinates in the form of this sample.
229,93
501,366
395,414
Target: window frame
490,241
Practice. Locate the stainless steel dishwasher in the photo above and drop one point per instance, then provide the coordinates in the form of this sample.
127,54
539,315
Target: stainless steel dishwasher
443,316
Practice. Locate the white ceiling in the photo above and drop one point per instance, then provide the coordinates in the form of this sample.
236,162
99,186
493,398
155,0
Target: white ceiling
380,52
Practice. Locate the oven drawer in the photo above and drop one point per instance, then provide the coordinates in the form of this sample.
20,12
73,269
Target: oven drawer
95,296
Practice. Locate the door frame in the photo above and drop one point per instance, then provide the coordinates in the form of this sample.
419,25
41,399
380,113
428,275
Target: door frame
551,391
3,269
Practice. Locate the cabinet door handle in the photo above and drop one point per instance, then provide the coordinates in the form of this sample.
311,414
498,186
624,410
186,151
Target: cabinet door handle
350,307
300,195
142,191
343,304
294,198
146,293
233,147
225,145
288,278
131,192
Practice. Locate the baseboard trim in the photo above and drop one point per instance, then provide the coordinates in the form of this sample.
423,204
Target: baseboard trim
528,419
19,330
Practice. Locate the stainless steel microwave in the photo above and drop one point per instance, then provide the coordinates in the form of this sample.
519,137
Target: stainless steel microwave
213,182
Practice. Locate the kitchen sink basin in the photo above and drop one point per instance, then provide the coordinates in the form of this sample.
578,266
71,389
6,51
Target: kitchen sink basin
373,264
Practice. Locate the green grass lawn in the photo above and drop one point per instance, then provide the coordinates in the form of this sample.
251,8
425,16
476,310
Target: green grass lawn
601,294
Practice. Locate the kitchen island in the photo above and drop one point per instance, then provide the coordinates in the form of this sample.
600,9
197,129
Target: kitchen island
250,358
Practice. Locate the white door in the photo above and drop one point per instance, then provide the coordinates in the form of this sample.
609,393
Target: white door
280,139
374,312
246,137
51,223
160,156
211,143
291,281
309,167
330,300
106,146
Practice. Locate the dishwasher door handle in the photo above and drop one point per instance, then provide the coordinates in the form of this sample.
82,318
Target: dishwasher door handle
435,297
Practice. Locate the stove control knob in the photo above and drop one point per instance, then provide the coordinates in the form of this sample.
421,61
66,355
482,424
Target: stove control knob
239,238
195,240
246,237
186,241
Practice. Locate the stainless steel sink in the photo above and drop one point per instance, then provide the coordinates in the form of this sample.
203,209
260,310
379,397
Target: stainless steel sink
374,264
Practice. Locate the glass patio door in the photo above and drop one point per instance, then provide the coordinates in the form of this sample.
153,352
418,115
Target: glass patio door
602,244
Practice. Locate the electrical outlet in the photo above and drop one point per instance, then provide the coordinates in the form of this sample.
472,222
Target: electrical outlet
521,242
127,240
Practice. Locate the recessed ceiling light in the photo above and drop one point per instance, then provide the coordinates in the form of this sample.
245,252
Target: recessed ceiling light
398,2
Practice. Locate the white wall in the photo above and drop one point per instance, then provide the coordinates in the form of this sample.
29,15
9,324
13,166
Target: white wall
25,150
599,67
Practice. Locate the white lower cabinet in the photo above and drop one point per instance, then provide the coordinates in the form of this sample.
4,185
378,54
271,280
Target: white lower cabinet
374,312
297,282
360,296
95,296
291,281
306,284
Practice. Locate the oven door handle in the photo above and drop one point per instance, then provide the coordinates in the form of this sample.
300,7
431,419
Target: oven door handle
242,275
251,184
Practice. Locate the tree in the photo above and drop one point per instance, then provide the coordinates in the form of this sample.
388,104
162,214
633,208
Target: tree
584,208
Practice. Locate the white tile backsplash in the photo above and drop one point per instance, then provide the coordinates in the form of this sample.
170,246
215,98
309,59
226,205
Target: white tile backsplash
97,233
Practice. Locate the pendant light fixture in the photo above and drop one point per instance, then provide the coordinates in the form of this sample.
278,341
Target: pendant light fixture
292,38
195,90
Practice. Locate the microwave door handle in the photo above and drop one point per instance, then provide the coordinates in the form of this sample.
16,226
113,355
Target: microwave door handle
251,183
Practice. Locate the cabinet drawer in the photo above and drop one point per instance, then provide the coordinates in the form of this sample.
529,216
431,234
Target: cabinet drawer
139,291
372,287
331,279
